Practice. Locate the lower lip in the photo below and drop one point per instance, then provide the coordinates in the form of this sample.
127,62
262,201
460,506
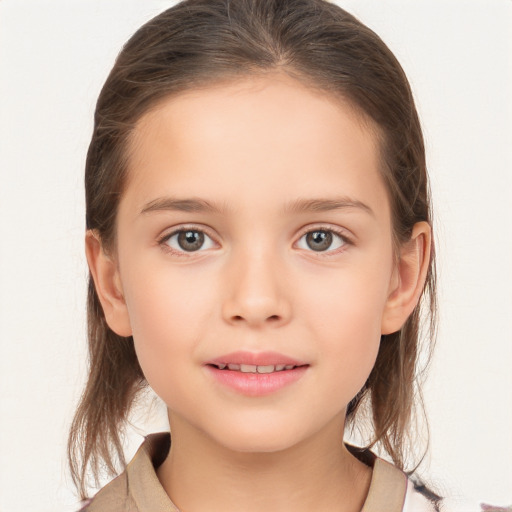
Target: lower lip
256,384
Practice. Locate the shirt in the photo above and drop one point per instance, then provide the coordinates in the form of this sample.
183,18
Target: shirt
138,489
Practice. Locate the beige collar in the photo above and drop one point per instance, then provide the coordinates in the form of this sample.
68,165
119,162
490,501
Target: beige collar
387,488
143,483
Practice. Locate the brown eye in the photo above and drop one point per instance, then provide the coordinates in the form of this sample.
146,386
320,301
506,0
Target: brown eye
189,240
321,240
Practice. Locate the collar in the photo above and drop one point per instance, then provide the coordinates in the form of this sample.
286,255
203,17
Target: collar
387,487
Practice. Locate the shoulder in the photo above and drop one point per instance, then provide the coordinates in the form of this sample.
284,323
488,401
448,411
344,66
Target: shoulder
114,497
392,490
137,489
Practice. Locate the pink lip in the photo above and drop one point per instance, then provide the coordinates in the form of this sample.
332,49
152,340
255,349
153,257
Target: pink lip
256,384
256,358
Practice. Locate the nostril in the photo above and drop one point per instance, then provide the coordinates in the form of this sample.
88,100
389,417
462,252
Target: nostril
241,318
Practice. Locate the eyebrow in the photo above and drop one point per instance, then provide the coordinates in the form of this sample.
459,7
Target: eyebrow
181,205
296,206
324,205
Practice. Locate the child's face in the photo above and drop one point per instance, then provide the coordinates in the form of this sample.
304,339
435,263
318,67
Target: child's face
247,169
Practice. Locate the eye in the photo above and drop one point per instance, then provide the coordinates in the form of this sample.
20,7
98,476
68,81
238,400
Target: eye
188,240
322,240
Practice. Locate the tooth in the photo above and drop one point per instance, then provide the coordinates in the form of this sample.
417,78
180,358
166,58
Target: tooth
233,366
266,369
248,368
289,366
221,366
279,367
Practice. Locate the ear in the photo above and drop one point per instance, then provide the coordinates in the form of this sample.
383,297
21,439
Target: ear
408,280
105,273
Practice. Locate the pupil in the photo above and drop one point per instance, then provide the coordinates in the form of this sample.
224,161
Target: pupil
319,240
190,240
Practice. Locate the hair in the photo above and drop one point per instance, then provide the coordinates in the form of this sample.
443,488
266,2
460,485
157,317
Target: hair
197,43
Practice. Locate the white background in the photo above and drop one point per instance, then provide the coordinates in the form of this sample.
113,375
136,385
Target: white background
54,57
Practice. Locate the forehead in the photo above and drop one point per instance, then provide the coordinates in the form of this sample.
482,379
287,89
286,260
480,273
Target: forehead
271,134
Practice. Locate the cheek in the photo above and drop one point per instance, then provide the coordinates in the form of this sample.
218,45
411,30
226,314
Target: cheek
349,301
169,313
345,312
162,298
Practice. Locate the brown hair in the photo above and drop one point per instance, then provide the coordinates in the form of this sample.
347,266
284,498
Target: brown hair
199,42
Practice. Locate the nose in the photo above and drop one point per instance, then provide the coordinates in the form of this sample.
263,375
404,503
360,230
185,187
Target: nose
256,292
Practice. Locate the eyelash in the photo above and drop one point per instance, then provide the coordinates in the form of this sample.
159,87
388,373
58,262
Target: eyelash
346,240
342,234
162,242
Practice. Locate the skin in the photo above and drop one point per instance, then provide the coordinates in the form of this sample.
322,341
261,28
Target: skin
252,147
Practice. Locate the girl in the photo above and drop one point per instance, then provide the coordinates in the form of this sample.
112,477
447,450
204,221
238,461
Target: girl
259,242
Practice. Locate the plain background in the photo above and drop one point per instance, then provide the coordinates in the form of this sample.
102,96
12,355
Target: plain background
54,57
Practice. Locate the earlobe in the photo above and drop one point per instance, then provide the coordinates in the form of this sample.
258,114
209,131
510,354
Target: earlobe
409,279
108,285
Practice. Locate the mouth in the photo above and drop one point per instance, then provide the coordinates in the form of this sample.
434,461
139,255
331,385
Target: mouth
255,362
256,374
252,368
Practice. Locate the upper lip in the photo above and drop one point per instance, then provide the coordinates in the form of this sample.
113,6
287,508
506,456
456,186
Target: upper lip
256,359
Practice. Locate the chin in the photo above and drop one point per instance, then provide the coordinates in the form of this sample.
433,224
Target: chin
259,436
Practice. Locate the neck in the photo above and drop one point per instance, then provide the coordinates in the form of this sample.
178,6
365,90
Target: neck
317,474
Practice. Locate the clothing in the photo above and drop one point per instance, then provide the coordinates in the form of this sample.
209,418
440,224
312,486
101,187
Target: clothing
138,489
